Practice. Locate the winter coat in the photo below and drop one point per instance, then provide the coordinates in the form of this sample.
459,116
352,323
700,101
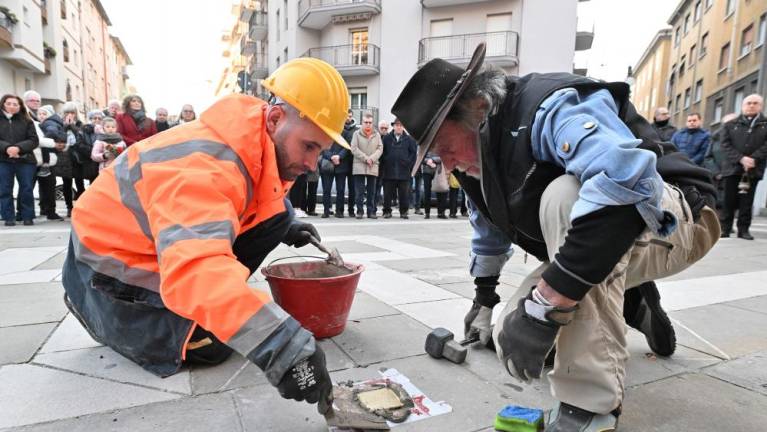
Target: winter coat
99,152
127,127
741,137
345,167
18,131
426,169
347,159
715,157
693,142
398,156
45,143
84,165
364,149
163,126
666,131
53,128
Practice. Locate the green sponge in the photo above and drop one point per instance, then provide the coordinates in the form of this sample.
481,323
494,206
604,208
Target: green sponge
519,419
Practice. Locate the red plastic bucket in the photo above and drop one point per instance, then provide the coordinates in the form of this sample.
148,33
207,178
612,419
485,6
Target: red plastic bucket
315,293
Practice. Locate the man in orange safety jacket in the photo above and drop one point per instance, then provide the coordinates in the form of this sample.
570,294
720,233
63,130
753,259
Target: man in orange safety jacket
163,243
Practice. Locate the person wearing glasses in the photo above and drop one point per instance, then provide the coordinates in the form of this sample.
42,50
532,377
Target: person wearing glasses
187,114
367,149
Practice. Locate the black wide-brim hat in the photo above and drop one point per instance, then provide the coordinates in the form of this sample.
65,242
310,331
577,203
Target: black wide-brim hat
428,97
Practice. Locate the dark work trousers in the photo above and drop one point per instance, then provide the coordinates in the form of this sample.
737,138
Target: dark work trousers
401,188
455,202
733,200
311,196
415,202
47,188
80,186
365,185
327,191
341,180
351,186
379,191
66,190
250,248
441,196
298,192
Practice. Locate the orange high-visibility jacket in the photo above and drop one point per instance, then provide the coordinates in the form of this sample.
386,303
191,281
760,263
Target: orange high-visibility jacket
162,220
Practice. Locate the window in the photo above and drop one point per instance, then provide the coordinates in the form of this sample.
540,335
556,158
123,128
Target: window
68,91
746,40
718,109
709,3
278,61
681,67
359,51
687,24
277,26
737,100
724,57
677,36
442,46
687,94
730,7
65,49
63,8
678,103
285,11
703,44
285,54
762,37
692,55
698,9
359,98
698,91
497,39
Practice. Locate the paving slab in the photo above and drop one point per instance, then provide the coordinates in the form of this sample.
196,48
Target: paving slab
367,306
397,288
54,263
70,335
212,379
693,403
444,313
31,304
205,413
35,394
380,339
20,343
23,259
749,372
350,246
743,333
466,289
753,304
413,264
103,362
262,409
443,276
690,293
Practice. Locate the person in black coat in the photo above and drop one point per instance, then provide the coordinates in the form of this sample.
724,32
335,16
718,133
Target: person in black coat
65,131
744,144
341,159
18,139
397,162
345,165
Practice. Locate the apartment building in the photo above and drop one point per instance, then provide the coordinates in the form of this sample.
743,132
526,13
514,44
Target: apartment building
63,50
717,57
649,77
233,40
377,45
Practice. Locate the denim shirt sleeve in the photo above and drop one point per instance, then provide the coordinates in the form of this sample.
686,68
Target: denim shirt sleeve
490,247
583,134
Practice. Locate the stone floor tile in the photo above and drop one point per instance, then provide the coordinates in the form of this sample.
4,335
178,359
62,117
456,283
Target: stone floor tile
70,335
396,288
54,263
749,372
17,260
34,394
443,276
352,246
690,293
743,334
29,277
20,343
103,362
380,339
335,357
235,372
466,289
196,414
262,409
443,313
692,403
31,304
438,264
367,306
754,304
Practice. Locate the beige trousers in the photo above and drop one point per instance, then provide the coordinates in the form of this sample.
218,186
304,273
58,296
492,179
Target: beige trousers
589,370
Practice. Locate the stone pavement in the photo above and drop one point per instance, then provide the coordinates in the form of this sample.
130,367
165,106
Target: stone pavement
54,377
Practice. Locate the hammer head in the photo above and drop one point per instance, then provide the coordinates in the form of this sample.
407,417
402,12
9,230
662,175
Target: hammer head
436,340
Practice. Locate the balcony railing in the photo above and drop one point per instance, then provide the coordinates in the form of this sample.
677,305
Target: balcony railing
359,111
259,67
316,14
258,25
502,47
350,60
247,45
6,38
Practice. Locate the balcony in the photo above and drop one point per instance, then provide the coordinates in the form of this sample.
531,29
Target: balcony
6,38
316,14
258,26
259,68
247,10
247,46
584,39
502,48
44,11
440,3
350,60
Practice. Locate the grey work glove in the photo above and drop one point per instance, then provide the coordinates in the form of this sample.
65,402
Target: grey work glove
299,233
309,380
528,335
477,323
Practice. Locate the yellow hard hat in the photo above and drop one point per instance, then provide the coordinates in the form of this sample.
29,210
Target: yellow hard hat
316,90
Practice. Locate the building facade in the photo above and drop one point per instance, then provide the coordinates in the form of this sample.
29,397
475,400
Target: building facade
649,77
350,36
717,57
63,50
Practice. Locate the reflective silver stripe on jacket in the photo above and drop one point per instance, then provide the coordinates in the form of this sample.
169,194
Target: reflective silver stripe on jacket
208,230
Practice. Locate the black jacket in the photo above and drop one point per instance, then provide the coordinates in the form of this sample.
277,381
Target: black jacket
347,158
162,126
53,128
398,157
741,137
18,131
665,132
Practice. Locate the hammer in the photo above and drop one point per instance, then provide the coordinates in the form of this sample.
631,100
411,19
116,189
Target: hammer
440,343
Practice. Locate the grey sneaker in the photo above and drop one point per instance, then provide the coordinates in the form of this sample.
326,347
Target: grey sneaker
44,171
567,418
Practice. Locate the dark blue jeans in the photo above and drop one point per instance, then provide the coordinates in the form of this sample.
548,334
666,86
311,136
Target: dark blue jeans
24,173
365,185
327,190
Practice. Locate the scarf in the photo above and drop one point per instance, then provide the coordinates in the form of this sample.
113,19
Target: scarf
110,138
140,118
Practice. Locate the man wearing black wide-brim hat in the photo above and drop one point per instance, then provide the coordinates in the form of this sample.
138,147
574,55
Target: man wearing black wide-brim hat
552,163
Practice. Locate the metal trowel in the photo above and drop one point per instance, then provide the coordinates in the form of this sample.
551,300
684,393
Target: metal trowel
334,257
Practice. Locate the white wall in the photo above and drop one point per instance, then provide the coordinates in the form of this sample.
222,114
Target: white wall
547,40
472,18
26,34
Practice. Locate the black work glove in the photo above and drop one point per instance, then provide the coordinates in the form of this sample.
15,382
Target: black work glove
298,234
528,334
309,380
477,322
